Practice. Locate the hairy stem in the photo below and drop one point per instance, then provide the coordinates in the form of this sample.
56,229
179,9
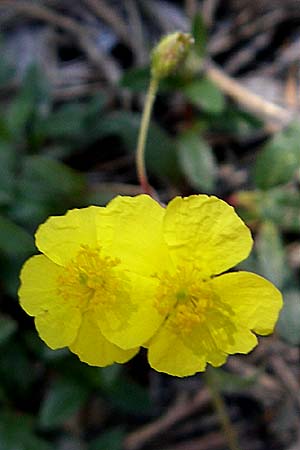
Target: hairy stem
143,132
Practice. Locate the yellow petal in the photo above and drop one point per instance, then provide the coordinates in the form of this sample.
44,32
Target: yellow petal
206,230
92,348
243,342
218,336
38,290
58,327
137,236
180,353
129,228
255,301
131,324
168,353
60,237
138,243
57,321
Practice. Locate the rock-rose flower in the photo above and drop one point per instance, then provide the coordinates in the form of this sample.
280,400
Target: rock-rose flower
138,274
95,275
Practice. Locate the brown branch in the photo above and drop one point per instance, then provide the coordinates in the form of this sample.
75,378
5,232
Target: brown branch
177,412
109,15
244,96
287,378
80,33
211,441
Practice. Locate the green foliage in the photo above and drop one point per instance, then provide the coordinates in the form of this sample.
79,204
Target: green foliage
8,168
33,99
271,259
279,159
44,187
129,397
234,122
52,155
289,322
63,399
110,440
161,156
230,383
17,433
205,94
136,79
8,326
197,161
199,33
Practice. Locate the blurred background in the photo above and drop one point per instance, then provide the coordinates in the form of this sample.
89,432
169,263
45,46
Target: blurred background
73,76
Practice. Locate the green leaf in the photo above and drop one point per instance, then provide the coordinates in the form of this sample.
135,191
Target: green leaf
7,72
14,240
110,440
230,383
17,433
93,378
70,441
67,122
8,166
17,373
73,123
52,177
33,98
279,159
16,245
233,121
136,79
270,254
8,326
63,399
199,33
45,187
289,322
110,376
205,94
197,161
129,397
161,155
281,205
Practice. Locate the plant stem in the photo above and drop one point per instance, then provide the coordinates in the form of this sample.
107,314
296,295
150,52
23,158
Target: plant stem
220,407
140,151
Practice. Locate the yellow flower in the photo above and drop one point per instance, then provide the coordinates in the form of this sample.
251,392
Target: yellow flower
94,278
134,273
206,314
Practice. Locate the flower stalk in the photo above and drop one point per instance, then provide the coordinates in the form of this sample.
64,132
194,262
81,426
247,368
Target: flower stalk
165,58
143,132
220,407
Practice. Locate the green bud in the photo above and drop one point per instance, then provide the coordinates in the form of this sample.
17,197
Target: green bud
169,53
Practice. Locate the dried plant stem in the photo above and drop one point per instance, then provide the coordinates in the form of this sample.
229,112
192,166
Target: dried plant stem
244,96
140,151
221,410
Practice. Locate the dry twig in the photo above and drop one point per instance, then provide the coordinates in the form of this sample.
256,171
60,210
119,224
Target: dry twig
111,17
211,441
287,378
244,96
82,34
177,412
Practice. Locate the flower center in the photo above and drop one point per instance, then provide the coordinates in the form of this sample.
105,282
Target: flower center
90,279
188,301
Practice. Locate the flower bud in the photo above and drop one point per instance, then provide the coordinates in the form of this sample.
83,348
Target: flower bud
169,53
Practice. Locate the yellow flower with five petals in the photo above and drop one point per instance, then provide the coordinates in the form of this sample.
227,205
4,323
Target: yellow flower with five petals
135,273
94,277
206,314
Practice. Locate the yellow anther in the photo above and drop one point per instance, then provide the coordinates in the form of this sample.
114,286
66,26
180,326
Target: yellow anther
89,279
185,298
